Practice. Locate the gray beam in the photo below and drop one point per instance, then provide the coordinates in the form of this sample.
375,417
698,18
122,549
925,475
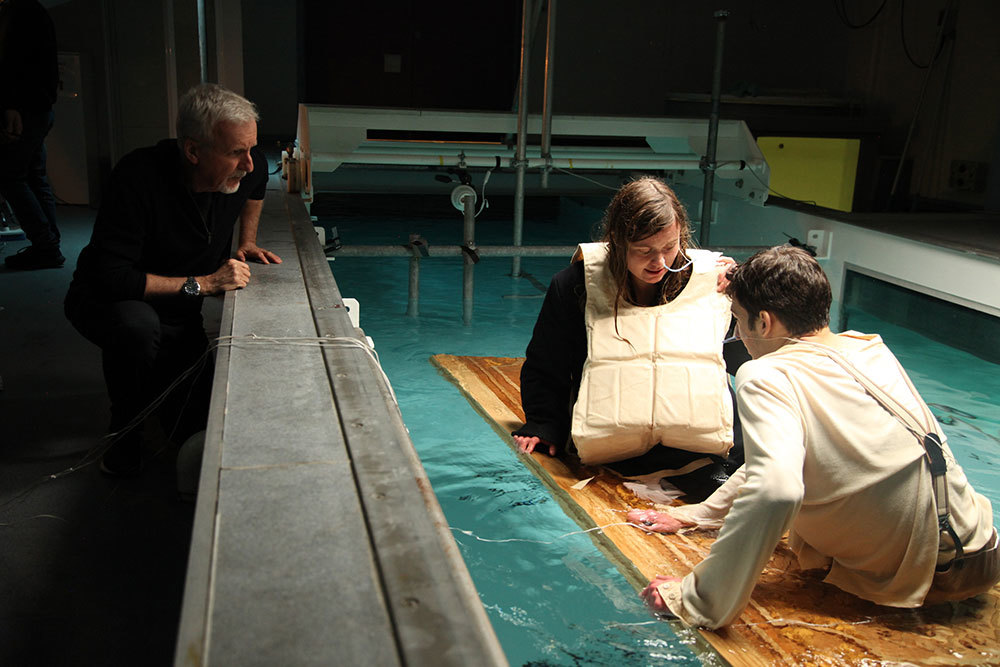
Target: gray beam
433,603
317,539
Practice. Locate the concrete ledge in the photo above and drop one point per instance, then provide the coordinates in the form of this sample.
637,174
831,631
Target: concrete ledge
317,537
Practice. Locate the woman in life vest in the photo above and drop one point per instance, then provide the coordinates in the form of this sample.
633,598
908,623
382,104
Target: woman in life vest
627,352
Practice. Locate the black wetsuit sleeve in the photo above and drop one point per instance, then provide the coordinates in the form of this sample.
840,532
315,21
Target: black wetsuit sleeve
550,377
735,353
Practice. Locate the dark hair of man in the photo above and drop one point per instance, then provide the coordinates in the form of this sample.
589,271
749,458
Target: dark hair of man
639,209
788,283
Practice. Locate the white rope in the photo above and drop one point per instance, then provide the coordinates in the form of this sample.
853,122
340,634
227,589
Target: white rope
312,341
564,535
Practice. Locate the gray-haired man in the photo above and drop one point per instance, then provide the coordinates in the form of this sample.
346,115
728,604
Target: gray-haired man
160,243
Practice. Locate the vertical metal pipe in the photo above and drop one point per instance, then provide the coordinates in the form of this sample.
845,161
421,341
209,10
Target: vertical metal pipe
522,133
920,101
111,79
228,28
550,56
202,41
170,56
708,163
468,268
413,303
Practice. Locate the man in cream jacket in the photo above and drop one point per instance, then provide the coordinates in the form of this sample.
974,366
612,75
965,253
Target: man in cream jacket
827,463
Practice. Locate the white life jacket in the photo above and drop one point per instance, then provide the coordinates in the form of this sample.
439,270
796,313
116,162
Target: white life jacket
661,378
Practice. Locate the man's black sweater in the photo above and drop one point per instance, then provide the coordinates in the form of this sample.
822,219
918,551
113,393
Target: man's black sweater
151,222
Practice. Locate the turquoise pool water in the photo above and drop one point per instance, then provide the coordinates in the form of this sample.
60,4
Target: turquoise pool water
552,597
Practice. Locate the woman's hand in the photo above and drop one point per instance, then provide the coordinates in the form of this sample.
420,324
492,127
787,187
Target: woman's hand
728,264
656,522
526,444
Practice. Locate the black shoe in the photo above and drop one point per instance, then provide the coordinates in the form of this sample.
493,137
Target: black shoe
123,459
30,258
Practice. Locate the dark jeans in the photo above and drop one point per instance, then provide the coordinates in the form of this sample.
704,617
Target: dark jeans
24,184
698,484
142,356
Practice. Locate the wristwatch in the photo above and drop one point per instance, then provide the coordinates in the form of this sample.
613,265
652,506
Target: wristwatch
191,287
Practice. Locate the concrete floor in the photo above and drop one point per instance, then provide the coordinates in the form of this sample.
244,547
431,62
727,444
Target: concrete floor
91,568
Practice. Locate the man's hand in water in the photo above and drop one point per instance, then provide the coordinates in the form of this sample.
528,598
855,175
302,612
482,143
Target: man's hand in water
652,597
656,522
527,444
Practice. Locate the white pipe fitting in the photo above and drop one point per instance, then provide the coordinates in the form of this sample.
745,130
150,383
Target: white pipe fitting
461,192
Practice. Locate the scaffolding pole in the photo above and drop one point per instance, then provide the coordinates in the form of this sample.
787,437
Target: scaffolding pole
413,300
550,56
709,165
522,134
455,251
469,259
470,254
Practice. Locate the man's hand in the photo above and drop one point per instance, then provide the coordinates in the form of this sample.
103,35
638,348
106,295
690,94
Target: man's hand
656,522
527,444
652,597
12,128
251,252
233,274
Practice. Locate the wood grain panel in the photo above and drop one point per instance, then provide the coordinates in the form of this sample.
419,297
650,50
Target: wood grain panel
793,617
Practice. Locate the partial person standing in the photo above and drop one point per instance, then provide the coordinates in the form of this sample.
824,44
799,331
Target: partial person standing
29,76
161,242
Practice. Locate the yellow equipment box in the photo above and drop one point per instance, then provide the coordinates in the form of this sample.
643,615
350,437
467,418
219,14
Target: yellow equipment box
815,170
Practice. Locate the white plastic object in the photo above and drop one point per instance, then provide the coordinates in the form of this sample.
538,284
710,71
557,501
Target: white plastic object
821,239
459,193
354,311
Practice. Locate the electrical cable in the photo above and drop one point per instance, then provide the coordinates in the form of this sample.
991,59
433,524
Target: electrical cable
906,49
940,38
486,179
584,178
933,149
770,189
842,13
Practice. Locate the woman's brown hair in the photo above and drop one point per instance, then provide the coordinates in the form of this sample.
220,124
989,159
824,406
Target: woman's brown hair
639,209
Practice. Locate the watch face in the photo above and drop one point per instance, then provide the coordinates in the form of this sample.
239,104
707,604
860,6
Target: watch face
191,287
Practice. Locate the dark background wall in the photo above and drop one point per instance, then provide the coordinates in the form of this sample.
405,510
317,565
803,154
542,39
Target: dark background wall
408,53
790,67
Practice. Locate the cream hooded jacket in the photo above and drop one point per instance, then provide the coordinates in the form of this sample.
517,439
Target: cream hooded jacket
828,464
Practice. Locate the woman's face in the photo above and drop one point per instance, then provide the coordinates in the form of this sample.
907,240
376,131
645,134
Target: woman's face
649,258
